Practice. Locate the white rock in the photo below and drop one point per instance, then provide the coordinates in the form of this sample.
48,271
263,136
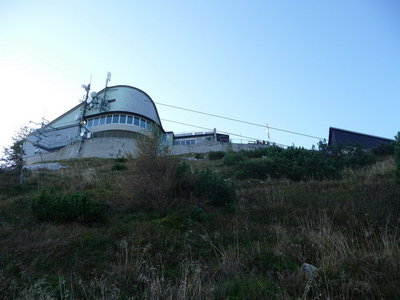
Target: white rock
308,270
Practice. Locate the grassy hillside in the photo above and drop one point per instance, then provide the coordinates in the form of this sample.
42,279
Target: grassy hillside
162,232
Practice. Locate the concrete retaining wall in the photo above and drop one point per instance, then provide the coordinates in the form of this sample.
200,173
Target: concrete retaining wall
119,147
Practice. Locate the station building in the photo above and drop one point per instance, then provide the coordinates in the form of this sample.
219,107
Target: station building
106,124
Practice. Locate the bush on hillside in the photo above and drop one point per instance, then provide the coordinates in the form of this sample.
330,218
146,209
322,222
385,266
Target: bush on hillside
214,155
347,156
298,163
293,163
184,180
213,188
8,179
73,207
207,185
158,181
198,156
263,152
151,175
150,182
121,159
233,158
384,149
184,218
247,287
118,166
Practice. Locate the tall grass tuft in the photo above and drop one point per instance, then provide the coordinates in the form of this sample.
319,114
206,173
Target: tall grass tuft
397,157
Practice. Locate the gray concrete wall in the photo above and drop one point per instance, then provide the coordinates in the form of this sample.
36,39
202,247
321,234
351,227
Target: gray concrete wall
118,147
98,147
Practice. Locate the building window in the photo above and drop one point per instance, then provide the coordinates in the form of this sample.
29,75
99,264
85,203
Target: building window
187,142
118,119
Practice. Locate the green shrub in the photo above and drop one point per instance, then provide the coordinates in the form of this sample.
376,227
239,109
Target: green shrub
249,287
233,158
264,151
73,207
293,163
298,163
121,159
214,155
117,166
267,261
347,156
212,187
384,149
184,183
198,156
183,219
204,184
8,179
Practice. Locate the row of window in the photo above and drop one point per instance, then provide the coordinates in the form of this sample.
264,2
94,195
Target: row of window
185,142
118,119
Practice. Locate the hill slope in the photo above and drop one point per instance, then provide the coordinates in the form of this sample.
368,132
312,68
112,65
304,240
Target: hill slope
186,246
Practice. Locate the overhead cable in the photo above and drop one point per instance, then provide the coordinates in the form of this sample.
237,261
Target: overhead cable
240,121
224,132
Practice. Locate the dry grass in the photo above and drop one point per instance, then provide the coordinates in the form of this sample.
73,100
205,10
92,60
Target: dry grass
348,229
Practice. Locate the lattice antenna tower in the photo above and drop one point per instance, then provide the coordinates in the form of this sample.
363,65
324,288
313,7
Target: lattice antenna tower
82,119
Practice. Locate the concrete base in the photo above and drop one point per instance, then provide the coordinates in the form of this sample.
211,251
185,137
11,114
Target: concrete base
119,147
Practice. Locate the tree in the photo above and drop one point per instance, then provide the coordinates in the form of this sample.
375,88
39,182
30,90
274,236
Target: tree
151,174
14,155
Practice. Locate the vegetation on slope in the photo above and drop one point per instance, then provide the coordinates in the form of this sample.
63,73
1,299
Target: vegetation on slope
201,230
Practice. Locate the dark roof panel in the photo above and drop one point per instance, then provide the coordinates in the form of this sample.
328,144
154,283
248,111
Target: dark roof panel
344,137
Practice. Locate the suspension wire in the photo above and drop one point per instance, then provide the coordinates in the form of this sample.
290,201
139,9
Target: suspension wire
240,121
224,132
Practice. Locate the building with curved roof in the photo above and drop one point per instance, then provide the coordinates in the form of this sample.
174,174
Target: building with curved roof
115,112
106,124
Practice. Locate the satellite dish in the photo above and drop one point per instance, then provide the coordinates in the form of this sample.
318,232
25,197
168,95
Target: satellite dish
93,94
83,131
89,99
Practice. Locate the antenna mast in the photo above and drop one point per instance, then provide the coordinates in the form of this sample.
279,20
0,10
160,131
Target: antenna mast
82,121
104,105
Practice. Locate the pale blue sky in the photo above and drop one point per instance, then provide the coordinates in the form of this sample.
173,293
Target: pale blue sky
297,65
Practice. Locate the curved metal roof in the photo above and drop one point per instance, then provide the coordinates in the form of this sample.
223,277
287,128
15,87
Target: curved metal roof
125,98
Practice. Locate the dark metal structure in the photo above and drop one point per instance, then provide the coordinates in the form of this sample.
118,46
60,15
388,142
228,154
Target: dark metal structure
345,137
